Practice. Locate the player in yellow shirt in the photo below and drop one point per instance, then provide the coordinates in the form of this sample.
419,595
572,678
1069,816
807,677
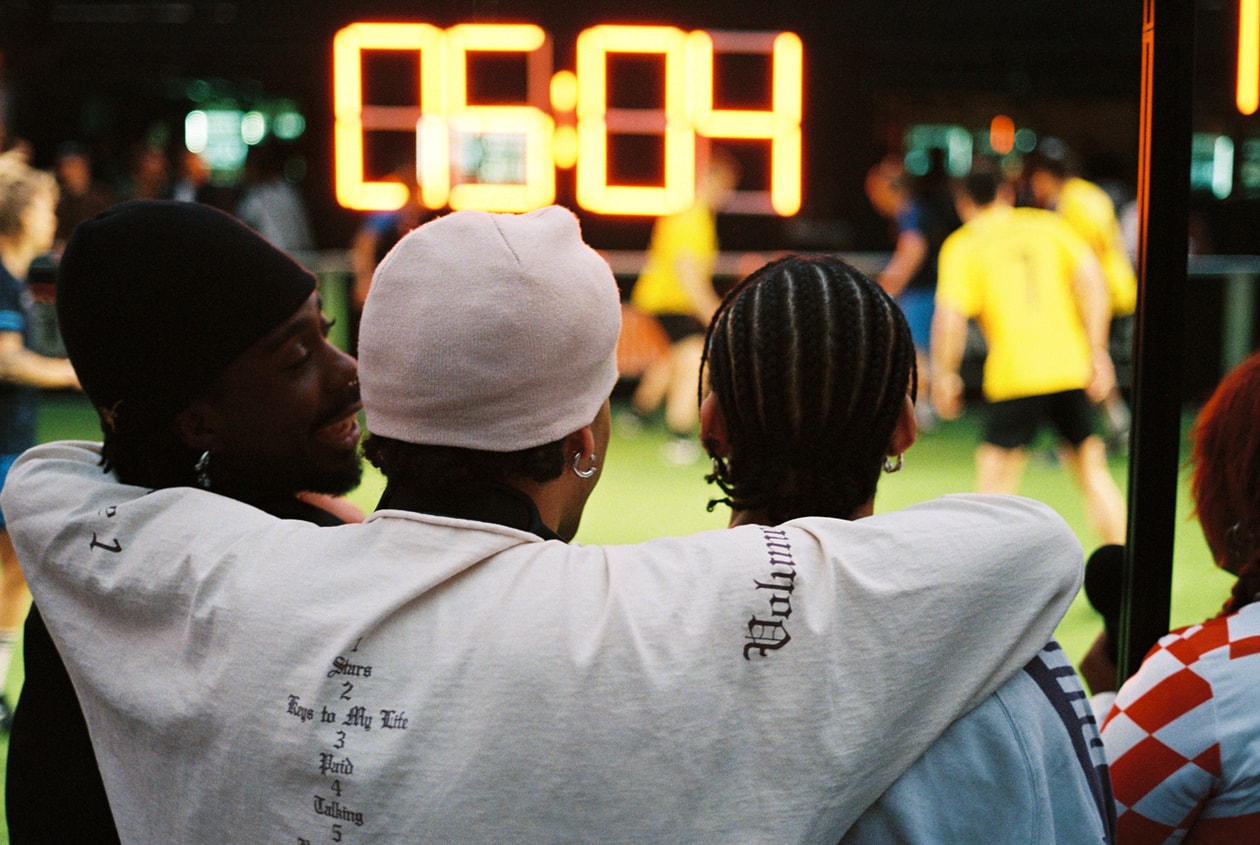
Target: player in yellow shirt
1037,293
1092,213
676,288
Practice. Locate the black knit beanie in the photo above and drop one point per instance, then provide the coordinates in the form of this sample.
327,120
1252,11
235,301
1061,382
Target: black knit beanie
155,299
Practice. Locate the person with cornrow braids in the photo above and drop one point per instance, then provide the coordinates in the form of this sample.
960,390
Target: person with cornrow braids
813,378
1181,734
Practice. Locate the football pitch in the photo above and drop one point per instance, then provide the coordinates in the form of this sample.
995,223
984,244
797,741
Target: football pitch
641,495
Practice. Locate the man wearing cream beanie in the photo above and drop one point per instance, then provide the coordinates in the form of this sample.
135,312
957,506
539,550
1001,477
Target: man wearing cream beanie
452,670
489,347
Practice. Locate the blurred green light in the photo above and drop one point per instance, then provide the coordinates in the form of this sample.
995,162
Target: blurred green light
288,125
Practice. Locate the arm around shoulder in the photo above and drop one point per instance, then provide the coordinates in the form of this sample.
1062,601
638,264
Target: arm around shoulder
973,548
997,570
59,502
935,607
34,482
1016,540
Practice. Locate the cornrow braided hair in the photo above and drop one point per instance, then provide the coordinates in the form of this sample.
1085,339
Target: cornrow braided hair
810,362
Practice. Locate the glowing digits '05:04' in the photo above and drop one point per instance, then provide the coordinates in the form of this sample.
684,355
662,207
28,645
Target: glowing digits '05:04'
565,119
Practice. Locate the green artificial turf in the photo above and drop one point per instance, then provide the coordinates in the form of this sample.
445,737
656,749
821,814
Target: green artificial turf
640,495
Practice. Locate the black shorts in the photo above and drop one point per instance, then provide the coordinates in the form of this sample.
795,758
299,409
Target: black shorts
1013,423
680,326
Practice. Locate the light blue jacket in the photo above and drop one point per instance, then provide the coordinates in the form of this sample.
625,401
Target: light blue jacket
1026,767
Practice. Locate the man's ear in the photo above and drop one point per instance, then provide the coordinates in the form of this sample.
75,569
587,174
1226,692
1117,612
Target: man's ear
713,427
581,442
906,431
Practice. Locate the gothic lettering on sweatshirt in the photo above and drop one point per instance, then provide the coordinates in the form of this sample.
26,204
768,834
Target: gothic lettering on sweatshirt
767,630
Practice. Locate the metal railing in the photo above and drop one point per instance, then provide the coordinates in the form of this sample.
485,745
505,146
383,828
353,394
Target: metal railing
1238,275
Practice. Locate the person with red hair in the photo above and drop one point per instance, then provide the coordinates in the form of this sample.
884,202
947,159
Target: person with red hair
1181,735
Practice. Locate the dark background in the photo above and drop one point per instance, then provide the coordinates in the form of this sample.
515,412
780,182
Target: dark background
106,72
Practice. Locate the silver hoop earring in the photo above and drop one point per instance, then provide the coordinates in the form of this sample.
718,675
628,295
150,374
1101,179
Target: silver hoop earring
584,473
202,469
890,466
719,468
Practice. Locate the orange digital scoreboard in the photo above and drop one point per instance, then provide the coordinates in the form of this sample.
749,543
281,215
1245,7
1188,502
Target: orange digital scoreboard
566,119
1247,91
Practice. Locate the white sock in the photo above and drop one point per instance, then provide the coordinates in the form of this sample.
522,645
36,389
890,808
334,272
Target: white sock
8,642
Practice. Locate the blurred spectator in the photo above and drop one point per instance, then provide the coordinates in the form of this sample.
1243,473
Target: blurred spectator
148,175
196,184
22,148
377,234
82,195
271,204
380,230
923,213
194,176
28,224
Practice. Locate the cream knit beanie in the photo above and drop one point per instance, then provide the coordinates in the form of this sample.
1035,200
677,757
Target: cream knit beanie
489,331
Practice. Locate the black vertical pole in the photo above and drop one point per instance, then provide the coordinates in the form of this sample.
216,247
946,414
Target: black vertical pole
1163,197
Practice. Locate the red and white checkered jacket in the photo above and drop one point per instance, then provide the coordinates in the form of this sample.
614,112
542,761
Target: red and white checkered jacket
1183,737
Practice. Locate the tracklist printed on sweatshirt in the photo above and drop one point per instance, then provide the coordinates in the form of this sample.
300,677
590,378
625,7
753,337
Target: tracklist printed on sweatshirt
345,715
345,719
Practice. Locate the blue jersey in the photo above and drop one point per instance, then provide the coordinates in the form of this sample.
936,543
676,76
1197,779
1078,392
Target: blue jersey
18,402
933,219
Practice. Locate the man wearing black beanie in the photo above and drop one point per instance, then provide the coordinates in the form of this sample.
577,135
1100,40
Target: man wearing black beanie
205,353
